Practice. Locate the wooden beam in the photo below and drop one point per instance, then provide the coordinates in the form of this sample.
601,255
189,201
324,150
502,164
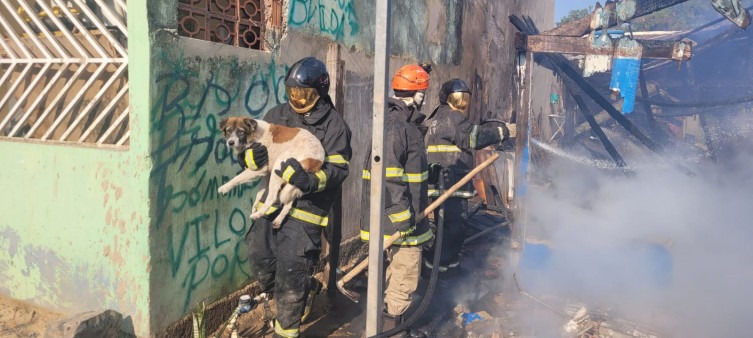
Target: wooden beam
679,50
522,155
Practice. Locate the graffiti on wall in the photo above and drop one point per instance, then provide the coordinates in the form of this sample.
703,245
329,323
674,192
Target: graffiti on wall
201,231
334,18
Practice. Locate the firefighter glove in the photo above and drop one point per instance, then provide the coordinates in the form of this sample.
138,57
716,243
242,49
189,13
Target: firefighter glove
292,172
254,157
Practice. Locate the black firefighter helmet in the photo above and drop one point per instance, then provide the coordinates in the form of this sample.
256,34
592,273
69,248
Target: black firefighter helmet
456,94
306,81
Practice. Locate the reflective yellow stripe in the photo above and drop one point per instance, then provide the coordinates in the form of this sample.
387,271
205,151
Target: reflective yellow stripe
410,240
459,193
443,148
322,176
416,178
298,214
287,173
474,135
250,163
397,172
337,159
291,333
400,216
394,172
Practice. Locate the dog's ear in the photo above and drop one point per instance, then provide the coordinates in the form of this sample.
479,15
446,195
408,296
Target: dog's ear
223,124
250,124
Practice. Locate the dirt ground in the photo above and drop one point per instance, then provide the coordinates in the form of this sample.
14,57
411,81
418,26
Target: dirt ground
23,320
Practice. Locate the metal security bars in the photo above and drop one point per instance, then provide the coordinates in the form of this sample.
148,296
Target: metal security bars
64,71
233,22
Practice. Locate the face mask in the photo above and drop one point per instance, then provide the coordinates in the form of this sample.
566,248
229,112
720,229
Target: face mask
302,99
418,99
459,101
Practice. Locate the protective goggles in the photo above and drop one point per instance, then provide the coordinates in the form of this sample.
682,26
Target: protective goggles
302,99
459,100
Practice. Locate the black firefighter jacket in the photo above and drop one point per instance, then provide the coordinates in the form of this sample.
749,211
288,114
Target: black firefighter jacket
329,127
451,138
405,179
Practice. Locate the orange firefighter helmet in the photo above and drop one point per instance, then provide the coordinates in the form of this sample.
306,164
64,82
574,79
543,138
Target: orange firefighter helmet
410,78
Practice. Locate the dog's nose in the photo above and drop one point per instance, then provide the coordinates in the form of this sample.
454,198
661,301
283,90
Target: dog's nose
231,143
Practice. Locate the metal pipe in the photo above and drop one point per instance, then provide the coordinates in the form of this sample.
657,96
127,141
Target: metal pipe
53,104
375,298
69,107
42,27
32,36
82,30
46,89
98,23
64,60
63,29
113,125
101,114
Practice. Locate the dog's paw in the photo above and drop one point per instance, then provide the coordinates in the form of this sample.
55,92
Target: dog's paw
276,224
224,189
256,215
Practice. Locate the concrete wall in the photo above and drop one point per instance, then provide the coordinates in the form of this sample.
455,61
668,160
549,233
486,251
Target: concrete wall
74,223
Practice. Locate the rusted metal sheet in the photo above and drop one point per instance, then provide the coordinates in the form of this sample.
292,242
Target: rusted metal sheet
677,50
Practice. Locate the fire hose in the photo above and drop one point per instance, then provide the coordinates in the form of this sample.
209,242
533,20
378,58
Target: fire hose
435,261
389,241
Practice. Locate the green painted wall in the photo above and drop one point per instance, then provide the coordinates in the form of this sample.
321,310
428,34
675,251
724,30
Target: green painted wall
428,30
75,223
197,235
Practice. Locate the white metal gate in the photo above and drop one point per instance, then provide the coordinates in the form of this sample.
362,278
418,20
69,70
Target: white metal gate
64,71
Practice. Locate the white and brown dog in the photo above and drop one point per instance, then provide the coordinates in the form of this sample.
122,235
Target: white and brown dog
282,143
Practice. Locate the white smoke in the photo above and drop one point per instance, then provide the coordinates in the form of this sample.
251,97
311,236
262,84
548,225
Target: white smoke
607,232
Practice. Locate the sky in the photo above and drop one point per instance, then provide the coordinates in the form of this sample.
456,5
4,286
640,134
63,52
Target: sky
562,7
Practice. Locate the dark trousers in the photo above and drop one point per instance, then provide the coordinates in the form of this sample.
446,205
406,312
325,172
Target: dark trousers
455,218
283,260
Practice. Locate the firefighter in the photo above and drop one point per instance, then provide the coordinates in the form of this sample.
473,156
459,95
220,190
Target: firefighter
283,259
405,191
450,140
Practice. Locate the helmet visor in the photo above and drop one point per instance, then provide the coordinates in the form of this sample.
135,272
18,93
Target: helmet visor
459,100
302,99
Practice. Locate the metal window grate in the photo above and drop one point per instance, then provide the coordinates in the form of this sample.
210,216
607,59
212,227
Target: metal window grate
64,71
233,22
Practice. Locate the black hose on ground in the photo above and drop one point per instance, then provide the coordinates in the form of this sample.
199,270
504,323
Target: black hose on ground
439,218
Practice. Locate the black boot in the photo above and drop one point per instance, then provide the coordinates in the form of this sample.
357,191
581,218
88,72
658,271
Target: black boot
389,322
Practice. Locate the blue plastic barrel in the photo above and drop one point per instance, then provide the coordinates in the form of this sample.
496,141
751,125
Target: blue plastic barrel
632,267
